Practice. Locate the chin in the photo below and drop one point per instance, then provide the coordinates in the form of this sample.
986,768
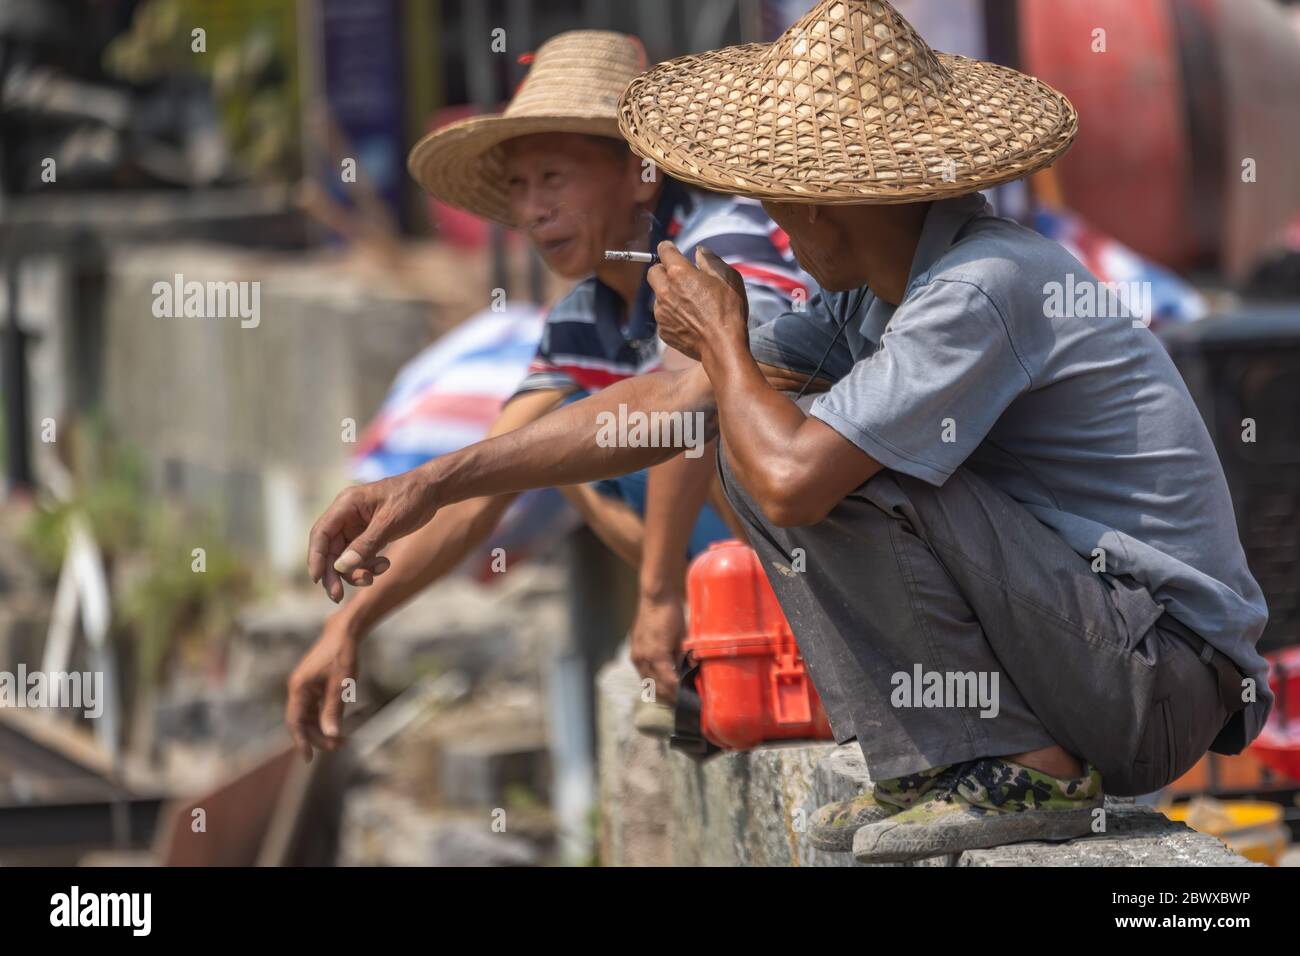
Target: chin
573,265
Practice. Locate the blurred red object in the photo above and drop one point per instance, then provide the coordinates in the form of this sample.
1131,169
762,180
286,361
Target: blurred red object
752,682
1278,744
1188,119
1129,171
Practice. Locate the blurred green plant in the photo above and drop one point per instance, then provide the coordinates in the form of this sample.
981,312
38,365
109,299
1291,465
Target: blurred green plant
168,600
249,61
108,484
148,545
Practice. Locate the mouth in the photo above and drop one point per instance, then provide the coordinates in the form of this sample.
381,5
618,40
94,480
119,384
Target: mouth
551,247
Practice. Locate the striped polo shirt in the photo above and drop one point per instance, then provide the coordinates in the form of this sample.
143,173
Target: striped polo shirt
585,346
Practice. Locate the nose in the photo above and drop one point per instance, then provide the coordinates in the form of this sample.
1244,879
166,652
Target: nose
532,207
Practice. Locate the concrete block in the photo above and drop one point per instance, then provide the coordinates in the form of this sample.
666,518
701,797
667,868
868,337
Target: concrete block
633,771
1135,836
751,809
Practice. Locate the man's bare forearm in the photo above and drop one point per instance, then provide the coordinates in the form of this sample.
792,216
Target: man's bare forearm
675,495
796,467
567,447
422,558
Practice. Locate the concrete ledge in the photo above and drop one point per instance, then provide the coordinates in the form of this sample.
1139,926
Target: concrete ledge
751,809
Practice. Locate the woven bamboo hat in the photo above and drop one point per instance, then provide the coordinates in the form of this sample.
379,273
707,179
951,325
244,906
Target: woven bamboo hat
848,106
573,86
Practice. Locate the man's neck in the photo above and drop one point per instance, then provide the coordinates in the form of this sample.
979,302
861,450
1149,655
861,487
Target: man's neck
887,241
624,278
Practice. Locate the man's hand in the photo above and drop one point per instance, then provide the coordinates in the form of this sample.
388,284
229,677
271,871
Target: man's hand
346,540
314,713
698,308
656,642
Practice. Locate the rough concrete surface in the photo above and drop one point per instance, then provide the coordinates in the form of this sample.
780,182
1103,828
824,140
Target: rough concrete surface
751,809
633,771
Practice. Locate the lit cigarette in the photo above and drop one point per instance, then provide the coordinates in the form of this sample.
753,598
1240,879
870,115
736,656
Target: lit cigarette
618,256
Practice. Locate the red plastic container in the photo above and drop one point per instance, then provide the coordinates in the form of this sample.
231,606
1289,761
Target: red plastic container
752,682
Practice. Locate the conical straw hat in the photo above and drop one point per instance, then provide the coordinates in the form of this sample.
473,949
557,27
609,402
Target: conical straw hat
848,106
573,86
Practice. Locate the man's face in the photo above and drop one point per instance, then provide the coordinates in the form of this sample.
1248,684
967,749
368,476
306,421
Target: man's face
816,239
575,196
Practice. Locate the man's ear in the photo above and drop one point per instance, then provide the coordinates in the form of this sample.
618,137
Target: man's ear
646,180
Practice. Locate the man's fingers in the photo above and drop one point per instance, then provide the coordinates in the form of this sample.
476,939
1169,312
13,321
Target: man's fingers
333,585
670,256
300,743
365,576
657,277
320,554
315,738
665,683
363,549
295,715
709,261
714,265
331,715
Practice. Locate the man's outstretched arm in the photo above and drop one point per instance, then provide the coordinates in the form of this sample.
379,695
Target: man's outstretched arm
568,446
561,448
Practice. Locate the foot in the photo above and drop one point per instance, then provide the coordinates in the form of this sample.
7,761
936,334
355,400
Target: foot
654,719
988,803
832,827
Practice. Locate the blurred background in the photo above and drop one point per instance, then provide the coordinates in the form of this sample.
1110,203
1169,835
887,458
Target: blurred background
265,141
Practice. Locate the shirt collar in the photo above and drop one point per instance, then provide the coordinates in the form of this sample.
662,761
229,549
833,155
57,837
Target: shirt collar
943,221
674,203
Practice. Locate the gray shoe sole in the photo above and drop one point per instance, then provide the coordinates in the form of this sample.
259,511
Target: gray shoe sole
891,842
840,839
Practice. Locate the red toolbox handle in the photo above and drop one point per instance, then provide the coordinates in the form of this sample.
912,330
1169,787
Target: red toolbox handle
790,701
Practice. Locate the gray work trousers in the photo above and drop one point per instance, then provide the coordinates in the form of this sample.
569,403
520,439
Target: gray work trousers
903,579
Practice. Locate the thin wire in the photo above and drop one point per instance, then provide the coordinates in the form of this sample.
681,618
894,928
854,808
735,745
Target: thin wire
825,355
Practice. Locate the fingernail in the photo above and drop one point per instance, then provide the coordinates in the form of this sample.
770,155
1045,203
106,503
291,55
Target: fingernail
348,560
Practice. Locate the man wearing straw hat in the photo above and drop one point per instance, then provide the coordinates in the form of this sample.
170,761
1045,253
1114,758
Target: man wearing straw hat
555,166
988,493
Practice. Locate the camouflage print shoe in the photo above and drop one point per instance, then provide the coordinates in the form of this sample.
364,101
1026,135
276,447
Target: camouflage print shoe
832,827
989,802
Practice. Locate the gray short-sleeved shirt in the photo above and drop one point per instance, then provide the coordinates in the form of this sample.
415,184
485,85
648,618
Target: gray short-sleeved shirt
1081,418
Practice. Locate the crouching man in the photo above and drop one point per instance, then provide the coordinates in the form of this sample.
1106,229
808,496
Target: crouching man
981,487
555,167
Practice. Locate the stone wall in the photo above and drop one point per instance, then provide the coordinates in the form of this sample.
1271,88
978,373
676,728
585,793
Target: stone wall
751,808
249,420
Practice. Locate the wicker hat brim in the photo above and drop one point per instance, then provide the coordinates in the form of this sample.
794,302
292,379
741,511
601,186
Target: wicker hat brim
694,117
461,165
